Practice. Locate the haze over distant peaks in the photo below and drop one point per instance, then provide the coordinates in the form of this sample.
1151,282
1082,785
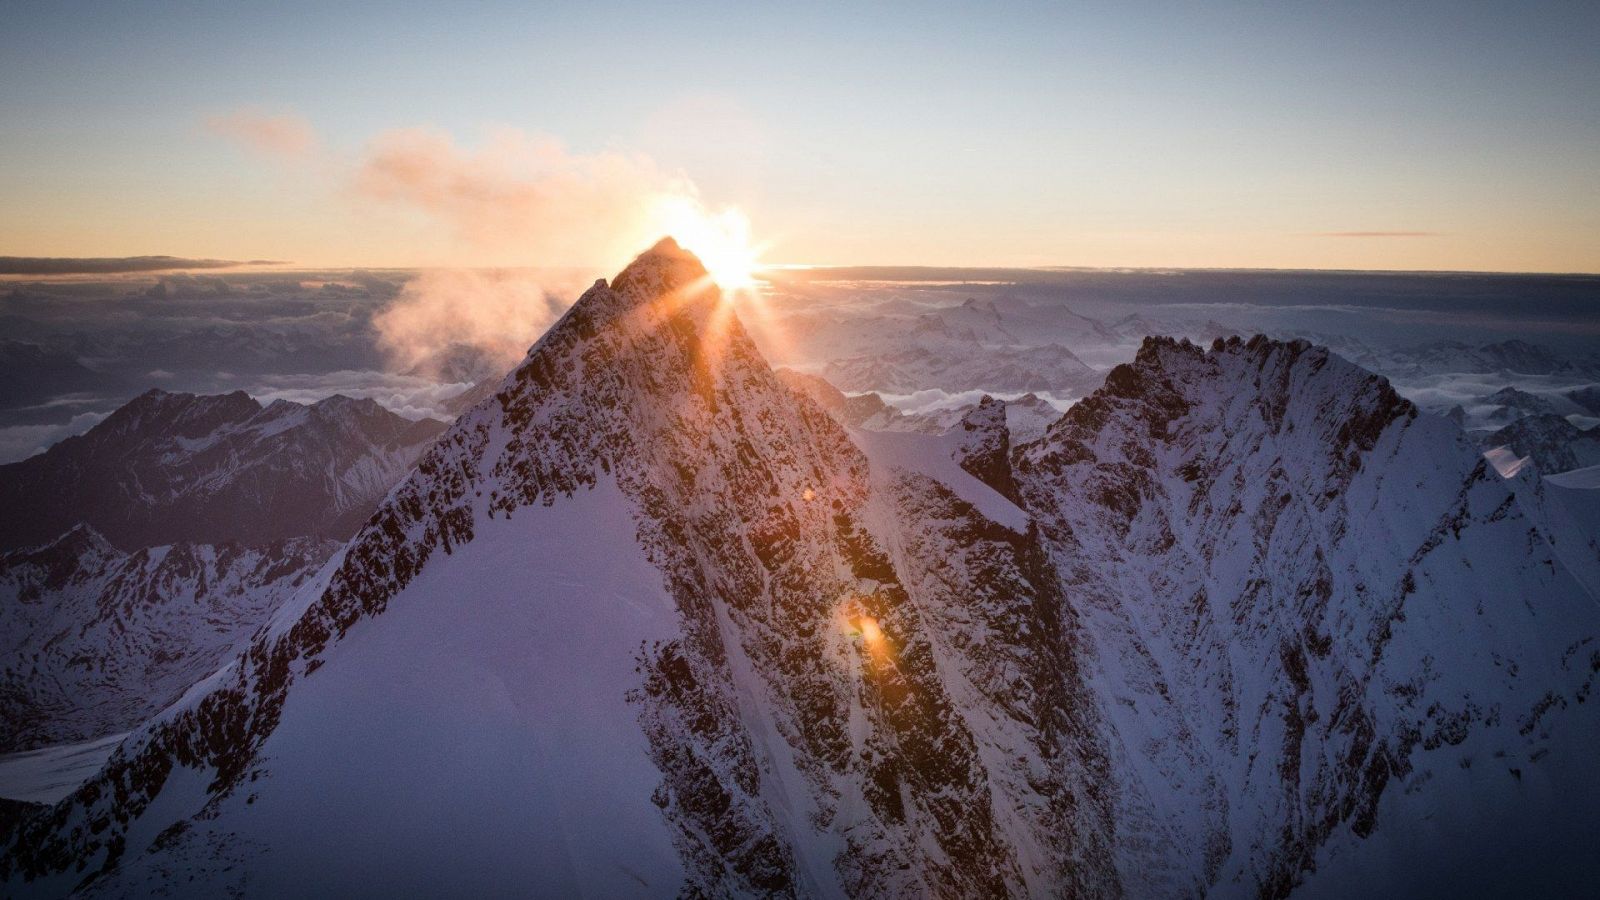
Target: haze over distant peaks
67,265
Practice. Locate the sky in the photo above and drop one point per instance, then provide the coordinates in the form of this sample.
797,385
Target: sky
1365,135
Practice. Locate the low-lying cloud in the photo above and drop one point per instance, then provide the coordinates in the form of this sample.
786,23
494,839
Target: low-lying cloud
412,396
934,400
22,441
65,265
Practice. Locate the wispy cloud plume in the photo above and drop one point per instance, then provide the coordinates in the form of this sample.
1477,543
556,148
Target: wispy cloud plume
496,313
275,134
524,197
517,197
514,199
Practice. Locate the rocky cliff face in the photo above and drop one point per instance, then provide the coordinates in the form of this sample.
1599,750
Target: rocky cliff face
652,622
983,447
180,467
1291,582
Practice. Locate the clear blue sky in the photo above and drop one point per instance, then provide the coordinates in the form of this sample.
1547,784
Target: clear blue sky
1409,135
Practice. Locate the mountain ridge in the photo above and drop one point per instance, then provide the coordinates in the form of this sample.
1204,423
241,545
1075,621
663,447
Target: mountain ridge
169,467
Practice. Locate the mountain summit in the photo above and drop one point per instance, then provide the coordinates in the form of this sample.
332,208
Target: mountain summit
646,621
660,271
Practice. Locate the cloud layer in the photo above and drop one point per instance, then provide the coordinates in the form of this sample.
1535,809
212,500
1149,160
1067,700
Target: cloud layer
22,441
61,265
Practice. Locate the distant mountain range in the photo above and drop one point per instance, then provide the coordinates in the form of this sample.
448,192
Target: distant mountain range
1553,443
867,411
168,468
1512,356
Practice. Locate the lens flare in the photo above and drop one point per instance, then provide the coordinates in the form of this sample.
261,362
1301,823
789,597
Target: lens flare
870,632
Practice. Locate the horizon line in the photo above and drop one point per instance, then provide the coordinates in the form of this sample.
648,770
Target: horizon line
28,267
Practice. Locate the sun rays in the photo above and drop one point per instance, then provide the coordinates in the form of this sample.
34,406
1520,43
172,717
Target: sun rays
721,240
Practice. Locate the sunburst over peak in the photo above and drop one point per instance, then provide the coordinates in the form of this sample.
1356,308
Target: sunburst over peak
721,240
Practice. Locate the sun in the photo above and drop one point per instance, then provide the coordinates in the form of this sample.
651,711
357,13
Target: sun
721,241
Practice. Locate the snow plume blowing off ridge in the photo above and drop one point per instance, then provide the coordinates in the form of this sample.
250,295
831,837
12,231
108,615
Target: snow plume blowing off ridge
497,312
514,200
518,197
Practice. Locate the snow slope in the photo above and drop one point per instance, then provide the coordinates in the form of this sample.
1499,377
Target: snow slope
482,720
49,774
936,457
1585,478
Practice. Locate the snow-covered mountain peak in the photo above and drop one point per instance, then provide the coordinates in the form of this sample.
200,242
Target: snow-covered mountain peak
662,270
664,283
1335,405
178,414
55,563
1552,442
341,406
762,697
82,540
989,415
1265,539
